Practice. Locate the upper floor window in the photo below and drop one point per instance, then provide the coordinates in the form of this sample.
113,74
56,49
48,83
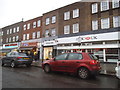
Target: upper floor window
75,13
105,23
18,29
38,23
38,34
8,31
24,36
47,33
24,27
53,19
17,38
14,30
75,28
116,21
34,24
94,24
28,36
67,15
67,29
47,21
6,40
10,39
94,8
115,3
33,35
53,32
2,33
28,26
13,39
104,5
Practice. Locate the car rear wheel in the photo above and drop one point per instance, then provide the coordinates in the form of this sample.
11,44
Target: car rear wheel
83,73
13,64
47,68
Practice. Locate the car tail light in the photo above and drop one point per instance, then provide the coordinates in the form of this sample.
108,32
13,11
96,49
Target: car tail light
93,62
19,57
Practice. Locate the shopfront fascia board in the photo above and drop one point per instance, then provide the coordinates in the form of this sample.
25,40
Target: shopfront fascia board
49,43
10,45
90,46
90,38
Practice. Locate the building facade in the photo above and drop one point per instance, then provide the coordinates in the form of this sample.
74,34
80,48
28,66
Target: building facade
31,36
11,37
50,34
92,28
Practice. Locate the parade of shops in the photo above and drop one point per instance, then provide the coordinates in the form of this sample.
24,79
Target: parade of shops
67,29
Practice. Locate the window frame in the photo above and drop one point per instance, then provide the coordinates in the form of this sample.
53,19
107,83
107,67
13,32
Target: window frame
94,8
76,28
67,15
67,29
104,5
76,13
104,23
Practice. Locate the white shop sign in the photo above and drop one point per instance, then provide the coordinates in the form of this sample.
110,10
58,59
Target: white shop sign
90,38
49,43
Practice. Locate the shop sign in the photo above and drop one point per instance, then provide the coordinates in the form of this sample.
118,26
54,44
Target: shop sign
49,43
30,44
10,45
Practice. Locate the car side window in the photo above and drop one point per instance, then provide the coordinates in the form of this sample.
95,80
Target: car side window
8,55
74,56
61,57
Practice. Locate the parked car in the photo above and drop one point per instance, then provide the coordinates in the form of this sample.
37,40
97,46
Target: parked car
82,64
117,69
16,58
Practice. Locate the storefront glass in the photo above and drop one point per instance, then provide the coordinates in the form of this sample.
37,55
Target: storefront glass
48,52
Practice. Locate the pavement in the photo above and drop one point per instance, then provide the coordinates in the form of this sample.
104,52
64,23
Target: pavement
107,68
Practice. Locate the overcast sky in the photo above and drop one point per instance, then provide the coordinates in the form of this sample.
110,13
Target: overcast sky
12,11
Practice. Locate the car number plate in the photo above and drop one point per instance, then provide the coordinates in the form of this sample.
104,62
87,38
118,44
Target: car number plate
26,58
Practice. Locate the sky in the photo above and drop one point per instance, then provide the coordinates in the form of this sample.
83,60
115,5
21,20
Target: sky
12,11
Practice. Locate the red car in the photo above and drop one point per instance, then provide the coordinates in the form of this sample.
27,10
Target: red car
83,64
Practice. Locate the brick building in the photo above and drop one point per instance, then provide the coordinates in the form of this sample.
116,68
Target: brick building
31,36
11,36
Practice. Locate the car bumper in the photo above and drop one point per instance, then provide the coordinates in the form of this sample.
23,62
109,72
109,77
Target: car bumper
117,72
20,62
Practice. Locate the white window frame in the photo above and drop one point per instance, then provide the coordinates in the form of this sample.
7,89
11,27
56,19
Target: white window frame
14,30
10,39
18,28
47,21
34,24
76,28
104,5
28,26
14,39
115,3
24,27
28,36
38,34
95,25
6,40
53,19
33,35
24,36
94,7
38,23
116,21
67,15
8,31
53,32
17,38
46,33
67,29
105,23
75,13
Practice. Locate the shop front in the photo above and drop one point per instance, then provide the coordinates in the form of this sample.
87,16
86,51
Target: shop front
9,47
31,47
49,49
104,45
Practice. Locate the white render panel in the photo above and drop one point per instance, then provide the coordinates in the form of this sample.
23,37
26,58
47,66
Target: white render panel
90,38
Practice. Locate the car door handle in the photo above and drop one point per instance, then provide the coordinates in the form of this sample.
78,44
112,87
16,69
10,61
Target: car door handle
77,62
63,62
